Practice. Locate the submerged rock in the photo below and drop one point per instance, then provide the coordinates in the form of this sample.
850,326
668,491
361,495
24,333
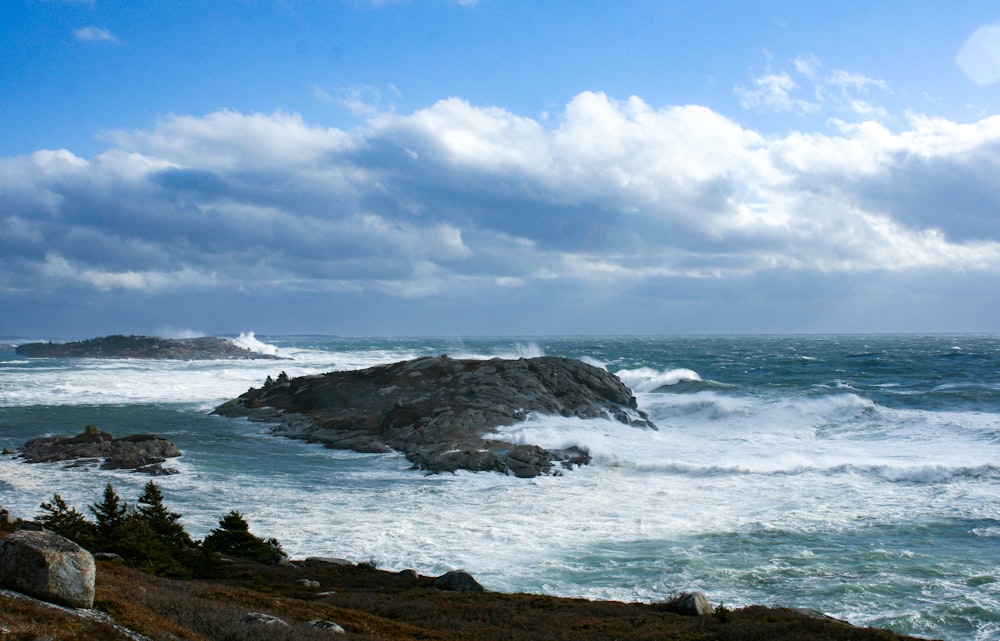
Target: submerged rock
140,452
443,413
118,346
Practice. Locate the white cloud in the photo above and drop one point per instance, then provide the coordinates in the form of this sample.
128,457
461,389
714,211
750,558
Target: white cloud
979,57
94,34
811,91
774,92
228,140
60,268
608,195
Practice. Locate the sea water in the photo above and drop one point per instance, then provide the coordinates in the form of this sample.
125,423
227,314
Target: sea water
855,475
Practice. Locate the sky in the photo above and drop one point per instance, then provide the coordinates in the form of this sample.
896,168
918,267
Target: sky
498,167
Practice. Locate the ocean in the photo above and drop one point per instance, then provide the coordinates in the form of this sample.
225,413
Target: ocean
855,475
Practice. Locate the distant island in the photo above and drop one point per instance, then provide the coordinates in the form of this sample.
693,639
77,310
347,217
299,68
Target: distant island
119,346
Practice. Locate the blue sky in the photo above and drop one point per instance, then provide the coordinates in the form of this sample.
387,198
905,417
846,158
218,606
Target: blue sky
492,167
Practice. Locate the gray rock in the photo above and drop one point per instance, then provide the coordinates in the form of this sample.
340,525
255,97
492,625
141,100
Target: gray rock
692,604
262,618
143,452
48,567
328,560
307,583
443,413
458,581
329,626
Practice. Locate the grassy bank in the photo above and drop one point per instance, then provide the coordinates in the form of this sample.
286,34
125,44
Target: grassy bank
373,604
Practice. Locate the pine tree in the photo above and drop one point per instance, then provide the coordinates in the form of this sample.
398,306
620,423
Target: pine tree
110,513
233,537
66,521
164,523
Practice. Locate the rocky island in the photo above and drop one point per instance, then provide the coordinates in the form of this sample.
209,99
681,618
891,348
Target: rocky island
139,452
119,346
443,413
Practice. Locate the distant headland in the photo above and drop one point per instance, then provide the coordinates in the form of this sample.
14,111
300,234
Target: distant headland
152,347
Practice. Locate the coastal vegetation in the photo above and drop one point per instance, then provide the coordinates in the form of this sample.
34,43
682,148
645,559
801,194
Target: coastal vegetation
151,538
154,580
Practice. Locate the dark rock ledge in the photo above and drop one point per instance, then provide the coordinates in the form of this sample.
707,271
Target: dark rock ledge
118,346
140,452
442,413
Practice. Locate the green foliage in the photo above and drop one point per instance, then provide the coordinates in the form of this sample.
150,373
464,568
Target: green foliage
233,537
140,545
110,513
66,521
151,537
164,523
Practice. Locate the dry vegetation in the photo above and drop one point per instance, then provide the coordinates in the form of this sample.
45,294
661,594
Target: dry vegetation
373,604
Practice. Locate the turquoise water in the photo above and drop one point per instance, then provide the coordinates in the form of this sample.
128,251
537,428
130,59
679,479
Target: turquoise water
855,475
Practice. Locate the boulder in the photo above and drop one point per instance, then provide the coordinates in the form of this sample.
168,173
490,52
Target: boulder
307,583
48,567
262,618
458,581
694,604
329,626
443,413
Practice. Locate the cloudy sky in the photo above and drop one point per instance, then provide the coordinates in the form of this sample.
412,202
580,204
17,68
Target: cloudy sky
443,167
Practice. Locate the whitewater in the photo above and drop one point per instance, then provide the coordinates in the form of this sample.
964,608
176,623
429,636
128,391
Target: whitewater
855,475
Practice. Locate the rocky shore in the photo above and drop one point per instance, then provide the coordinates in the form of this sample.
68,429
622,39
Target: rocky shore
152,347
443,413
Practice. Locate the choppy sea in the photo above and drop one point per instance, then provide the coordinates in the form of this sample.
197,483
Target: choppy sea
855,475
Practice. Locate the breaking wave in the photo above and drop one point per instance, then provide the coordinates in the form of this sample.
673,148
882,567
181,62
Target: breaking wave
647,379
247,340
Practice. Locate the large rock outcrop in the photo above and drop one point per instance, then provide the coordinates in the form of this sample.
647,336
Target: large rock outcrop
140,452
442,413
118,346
47,566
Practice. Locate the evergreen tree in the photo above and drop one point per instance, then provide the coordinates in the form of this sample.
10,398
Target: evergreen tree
164,523
66,521
233,537
137,543
110,513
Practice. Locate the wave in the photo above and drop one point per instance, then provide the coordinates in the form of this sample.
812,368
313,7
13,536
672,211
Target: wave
249,341
647,379
917,475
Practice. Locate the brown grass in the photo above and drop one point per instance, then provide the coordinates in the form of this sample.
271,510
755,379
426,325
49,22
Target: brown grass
372,604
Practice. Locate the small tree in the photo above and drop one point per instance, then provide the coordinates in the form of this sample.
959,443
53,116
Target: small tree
110,513
164,523
143,548
66,521
233,537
